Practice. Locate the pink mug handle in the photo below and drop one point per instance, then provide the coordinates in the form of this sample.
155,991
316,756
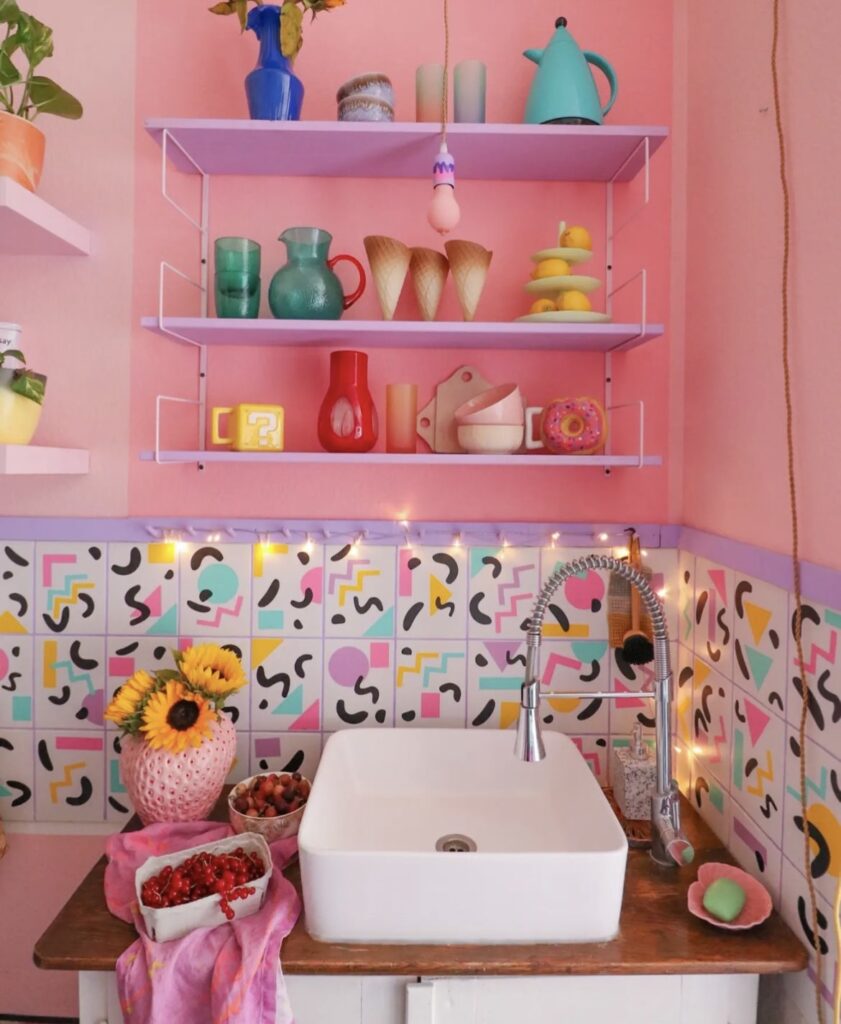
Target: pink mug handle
349,300
531,442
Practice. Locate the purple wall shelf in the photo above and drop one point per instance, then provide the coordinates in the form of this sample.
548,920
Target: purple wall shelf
29,226
36,460
409,334
404,149
386,459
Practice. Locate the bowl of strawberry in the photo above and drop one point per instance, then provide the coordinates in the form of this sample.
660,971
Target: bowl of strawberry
270,805
203,886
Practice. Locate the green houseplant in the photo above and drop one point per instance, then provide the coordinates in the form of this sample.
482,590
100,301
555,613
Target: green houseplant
25,42
21,397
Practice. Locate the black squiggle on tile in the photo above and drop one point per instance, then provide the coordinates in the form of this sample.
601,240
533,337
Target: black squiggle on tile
95,553
713,653
593,674
16,557
721,619
701,786
775,698
86,664
60,624
366,691
589,710
449,563
232,713
380,715
445,606
128,648
836,787
495,566
117,806
740,660
88,604
623,666
143,610
409,716
300,668
647,720
701,604
21,602
350,717
340,554
233,648
25,793
742,587
85,793
768,807
686,674
514,659
363,607
305,601
411,615
303,558
59,701
134,562
807,929
737,711
267,681
828,695
774,637
811,702
201,609
476,612
270,594
481,660
44,755
200,554
6,744
452,688
560,616
485,713
413,563
294,763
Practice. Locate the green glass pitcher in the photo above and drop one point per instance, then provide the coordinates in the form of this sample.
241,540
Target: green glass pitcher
305,287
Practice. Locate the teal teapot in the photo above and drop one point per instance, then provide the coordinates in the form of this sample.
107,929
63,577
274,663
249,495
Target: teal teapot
305,287
563,91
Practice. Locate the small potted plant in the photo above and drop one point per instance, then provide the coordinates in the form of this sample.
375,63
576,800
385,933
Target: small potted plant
21,398
274,93
24,95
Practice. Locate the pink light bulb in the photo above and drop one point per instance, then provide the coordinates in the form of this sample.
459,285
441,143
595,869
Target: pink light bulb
443,212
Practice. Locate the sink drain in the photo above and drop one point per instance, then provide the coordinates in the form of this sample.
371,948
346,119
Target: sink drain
455,843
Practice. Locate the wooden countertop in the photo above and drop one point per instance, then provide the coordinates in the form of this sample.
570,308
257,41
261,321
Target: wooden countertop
658,935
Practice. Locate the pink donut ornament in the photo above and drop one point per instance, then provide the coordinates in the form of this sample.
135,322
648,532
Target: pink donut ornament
568,426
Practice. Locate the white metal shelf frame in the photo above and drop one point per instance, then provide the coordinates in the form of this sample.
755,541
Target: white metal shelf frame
612,230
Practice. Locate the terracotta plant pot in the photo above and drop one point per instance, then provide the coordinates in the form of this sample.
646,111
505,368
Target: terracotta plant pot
21,151
19,415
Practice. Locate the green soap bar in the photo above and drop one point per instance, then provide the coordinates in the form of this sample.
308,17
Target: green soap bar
724,899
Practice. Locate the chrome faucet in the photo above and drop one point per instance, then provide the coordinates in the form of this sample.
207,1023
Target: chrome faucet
668,844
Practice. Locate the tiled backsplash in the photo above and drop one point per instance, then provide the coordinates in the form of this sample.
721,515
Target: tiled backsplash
739,700
332,637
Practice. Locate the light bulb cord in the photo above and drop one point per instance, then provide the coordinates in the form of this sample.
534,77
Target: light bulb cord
795,525
446,81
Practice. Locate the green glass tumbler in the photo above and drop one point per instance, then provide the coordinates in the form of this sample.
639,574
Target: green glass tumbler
237,295
237,254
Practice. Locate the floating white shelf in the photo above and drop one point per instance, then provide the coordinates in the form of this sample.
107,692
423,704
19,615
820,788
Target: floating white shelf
407,334
403,149
29,226
387,459
35,460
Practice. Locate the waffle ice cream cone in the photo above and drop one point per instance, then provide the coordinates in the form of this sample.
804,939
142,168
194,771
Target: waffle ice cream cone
429,272
389,260
469,264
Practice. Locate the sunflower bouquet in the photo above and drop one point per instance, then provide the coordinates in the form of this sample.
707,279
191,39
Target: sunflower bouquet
173,709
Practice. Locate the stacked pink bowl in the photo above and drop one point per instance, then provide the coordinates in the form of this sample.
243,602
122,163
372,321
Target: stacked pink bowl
492,422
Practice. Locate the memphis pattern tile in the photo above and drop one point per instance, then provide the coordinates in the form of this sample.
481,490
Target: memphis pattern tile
17,587
288,582
821,668
16,680
359,598
70,775
714,590
431,592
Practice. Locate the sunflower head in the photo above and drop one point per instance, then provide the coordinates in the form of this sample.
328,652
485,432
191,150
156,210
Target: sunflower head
212,671
128,699
175,718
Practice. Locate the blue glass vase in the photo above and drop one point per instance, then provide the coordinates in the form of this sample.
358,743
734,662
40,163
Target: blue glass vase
273,91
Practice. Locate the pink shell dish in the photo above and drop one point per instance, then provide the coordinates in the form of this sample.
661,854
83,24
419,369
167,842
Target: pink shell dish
177,787
757,906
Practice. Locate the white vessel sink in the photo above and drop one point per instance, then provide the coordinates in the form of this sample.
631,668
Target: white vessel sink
549,863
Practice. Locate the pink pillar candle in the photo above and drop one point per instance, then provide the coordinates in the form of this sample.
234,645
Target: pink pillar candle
429,92
401,413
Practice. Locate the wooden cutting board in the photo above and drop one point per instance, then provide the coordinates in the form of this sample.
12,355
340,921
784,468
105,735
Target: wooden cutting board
435,421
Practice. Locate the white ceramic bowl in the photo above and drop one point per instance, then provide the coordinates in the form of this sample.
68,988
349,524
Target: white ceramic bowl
280,827
490,438
365,108
502,404
372,83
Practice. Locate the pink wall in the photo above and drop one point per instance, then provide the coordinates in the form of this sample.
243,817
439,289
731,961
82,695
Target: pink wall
37,876
76,311
735,481
511,219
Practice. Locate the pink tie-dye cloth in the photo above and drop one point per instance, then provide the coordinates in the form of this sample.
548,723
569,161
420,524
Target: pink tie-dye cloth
225,975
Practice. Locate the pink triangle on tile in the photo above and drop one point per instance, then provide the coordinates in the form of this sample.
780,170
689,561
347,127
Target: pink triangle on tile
717,576
498,650
757,720
154,603
309,720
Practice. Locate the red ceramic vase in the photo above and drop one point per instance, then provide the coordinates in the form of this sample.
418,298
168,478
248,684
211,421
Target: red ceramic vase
347,420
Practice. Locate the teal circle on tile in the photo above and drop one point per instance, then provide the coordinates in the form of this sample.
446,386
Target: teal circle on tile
221,581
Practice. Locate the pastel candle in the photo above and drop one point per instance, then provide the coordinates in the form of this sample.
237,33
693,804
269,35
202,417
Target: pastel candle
429,92
470,82
401,413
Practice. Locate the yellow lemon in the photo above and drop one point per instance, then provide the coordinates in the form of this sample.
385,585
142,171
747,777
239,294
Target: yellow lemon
551,268
543,306
576,237
574,302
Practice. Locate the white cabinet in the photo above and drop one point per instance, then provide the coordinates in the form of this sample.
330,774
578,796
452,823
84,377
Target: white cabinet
350,999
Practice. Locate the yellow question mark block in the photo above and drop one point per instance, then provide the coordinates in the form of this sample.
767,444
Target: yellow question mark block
251,428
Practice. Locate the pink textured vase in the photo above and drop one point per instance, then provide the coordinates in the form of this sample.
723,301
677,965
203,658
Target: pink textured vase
177,787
